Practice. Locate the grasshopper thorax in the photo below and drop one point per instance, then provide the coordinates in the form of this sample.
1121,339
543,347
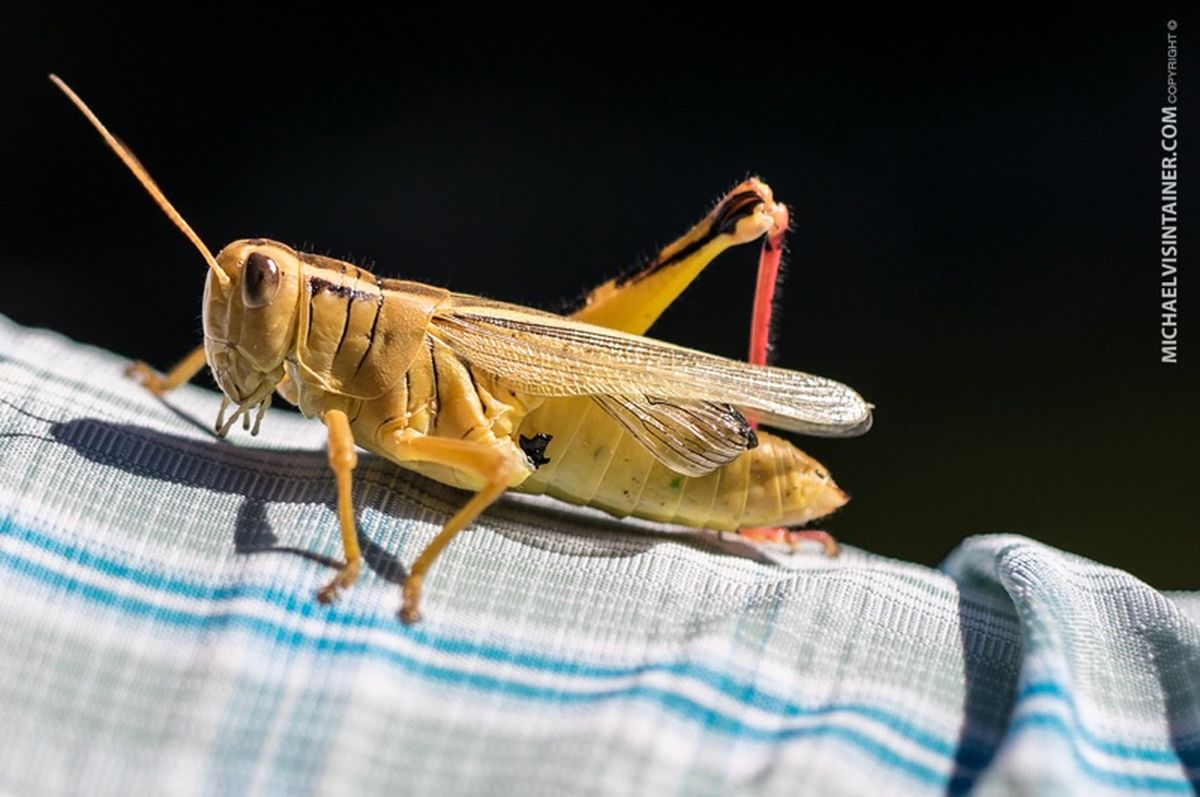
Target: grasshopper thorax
250,319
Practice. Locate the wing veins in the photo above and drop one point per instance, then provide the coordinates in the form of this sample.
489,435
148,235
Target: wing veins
547,355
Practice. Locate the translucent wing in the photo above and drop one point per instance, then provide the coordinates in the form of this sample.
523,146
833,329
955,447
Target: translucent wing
692,438
547,355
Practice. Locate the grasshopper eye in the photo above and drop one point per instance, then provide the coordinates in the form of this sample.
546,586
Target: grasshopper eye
260,280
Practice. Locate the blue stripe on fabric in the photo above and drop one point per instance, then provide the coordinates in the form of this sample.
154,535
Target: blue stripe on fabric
1124,780
673,702
1118,749
970,754
677,703
744,693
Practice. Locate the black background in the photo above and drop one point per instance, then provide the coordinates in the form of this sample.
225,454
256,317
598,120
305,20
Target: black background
976,201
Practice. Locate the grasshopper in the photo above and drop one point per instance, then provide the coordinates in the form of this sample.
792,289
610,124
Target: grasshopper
488,396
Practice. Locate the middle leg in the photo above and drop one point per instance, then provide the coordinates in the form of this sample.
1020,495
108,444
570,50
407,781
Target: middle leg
490,467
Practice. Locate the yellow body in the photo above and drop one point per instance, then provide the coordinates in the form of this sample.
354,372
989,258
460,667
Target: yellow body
488,396
410,381
458,388
591,459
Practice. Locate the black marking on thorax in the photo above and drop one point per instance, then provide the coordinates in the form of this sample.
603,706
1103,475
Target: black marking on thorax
317,284
374,324
535,448
350,297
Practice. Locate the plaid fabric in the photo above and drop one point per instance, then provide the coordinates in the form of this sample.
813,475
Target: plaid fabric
158,631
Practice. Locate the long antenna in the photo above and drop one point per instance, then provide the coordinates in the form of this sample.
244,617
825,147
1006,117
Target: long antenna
139,171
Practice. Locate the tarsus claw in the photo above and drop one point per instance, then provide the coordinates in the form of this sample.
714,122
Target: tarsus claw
792,538
147,377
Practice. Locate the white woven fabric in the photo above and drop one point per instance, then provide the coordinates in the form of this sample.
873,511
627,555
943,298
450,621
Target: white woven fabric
159,633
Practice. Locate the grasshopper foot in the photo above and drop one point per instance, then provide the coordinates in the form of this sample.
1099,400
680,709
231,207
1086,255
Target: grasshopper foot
147,377
792,538
411,597
343,580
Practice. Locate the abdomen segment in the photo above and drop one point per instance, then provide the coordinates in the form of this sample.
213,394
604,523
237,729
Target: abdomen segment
593,461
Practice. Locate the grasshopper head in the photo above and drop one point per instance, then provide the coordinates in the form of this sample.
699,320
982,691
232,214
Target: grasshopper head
250,298
250,320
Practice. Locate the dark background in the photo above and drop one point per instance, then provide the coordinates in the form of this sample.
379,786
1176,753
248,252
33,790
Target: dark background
977,219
